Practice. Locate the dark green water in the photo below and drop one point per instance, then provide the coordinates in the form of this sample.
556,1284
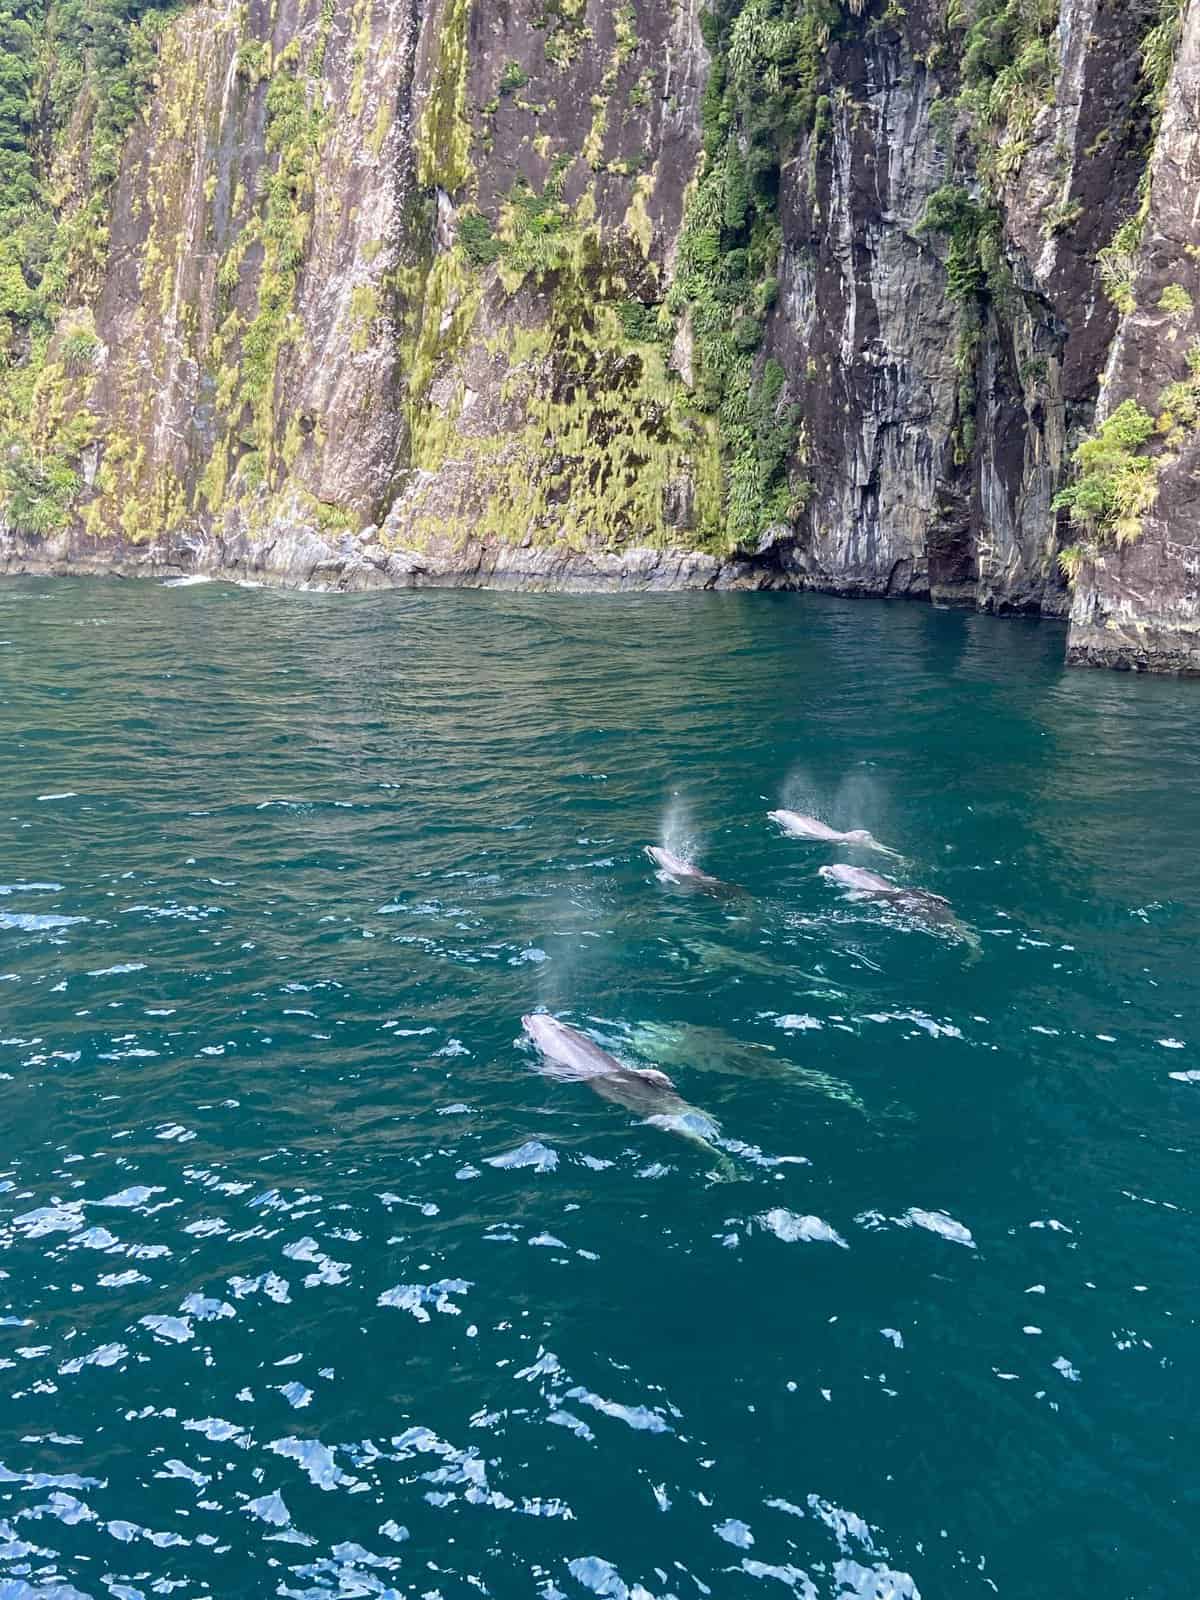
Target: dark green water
279,1314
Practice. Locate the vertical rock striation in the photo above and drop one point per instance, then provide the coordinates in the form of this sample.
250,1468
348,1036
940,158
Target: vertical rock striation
1137,605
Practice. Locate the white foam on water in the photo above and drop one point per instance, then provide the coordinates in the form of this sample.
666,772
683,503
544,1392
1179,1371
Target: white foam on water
137,1194
27,922
533,1153
176,1330
414,1297
938,1222
269,1508
793,1228
640,1418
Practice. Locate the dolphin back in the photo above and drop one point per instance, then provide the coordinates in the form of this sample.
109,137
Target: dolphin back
802,827
568,1048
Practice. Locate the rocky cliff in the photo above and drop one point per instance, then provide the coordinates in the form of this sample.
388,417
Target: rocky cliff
835,293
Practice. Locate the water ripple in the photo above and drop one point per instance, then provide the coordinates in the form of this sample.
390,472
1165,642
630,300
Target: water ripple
312,1285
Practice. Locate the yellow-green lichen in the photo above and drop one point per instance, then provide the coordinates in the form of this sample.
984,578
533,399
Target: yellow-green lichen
607,454
443,137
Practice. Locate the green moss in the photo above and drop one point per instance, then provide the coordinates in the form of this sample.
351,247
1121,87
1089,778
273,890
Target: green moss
566,31
364,309
1177,303
440,300
625,28
292,133
73,75
359,55
443,137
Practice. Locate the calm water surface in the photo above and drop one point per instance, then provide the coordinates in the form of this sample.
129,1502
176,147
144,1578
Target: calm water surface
311,1284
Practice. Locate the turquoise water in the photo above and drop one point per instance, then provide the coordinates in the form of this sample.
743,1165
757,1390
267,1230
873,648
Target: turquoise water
312,1284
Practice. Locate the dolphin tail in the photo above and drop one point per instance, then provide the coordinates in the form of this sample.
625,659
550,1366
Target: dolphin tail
886,850
725,1169
697,1129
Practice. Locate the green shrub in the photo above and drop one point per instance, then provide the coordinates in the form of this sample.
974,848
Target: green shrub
747,333
639,322
1115,486
479,243
253,60
1008,67
1118,263
36,490
512,78
540,227
969,228
80,348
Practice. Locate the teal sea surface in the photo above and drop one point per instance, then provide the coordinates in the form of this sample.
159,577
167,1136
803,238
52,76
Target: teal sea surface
314,1282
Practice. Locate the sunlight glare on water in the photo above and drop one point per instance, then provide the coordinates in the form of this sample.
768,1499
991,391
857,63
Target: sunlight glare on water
313,1284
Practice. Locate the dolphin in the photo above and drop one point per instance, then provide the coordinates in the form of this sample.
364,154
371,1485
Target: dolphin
680,871
802,827
574,1058
920,904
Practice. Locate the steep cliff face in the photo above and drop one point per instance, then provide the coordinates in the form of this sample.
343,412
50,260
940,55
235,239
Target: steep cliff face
944,404
1137,599
819,293
366,272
